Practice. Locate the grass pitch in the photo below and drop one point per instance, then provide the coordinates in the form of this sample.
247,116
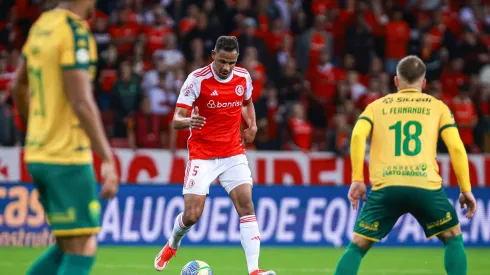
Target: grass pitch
285,261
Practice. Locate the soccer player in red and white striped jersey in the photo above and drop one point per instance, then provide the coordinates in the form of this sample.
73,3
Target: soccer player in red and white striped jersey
218,96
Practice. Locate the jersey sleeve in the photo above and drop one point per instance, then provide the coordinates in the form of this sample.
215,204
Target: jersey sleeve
248,92
368,115
447,118
75,46
189,93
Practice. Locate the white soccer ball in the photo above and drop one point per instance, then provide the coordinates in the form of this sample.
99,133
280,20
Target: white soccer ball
196,268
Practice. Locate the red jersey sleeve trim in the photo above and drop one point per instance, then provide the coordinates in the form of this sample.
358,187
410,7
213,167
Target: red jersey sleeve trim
247,101
184,106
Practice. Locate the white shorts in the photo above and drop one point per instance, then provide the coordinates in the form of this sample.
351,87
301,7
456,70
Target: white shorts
231,172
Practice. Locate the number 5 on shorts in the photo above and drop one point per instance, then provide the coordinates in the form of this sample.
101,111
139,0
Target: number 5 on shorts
195,170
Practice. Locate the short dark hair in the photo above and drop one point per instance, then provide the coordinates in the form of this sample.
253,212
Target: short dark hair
227,44
411,69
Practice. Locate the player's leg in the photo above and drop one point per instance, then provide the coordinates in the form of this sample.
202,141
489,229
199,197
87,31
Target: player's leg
455,260
438,217
377,218
73,211
193,207
198,176
50,261
78,254
237,181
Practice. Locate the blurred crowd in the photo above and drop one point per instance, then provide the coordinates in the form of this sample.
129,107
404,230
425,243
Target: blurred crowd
315,64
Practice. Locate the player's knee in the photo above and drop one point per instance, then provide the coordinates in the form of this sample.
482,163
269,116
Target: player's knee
245,208
79,245
191,216
363,243
444,236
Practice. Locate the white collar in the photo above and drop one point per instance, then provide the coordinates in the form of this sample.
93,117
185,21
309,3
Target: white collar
220,79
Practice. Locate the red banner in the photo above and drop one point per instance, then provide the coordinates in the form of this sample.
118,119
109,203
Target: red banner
286,168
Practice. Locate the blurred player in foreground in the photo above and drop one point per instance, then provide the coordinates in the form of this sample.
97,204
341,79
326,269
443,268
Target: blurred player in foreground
405,128
218,95
53,92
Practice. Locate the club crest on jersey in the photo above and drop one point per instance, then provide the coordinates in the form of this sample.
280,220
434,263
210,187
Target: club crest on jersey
239,90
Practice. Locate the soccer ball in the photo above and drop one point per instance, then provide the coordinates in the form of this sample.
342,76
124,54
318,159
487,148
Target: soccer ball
196,268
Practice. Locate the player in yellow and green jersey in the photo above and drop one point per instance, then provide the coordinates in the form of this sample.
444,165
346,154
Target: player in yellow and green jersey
53,92
404,129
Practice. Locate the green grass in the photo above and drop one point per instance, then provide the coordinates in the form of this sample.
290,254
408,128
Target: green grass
285,261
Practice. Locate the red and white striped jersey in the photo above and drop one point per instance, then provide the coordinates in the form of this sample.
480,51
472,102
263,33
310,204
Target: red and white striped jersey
220,102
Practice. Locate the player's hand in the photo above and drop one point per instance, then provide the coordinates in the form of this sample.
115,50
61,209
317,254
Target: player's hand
197,121
467,198
110,180
357,191
248,135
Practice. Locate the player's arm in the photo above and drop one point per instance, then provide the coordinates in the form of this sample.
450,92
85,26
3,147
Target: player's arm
188,94
459,159
248,113
457,152
20,89
361,131
360,134
79,92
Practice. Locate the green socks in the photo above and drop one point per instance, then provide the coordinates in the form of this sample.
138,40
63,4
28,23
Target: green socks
54,262
351,260
455,260
47,263
76,265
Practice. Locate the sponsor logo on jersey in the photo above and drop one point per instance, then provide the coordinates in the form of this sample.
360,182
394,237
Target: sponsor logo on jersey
214,93
217,105
239,90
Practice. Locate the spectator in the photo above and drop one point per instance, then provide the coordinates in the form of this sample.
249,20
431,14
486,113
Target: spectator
266,110
250,39
311,43
324,77
107,71
145,129
359,42
301,129
373,93
151,78
205,33
6,74
189,22
155,33
356,87
453,78
285,52
290,85
101,35
125,98
465,116
338,136
256,70
161,99
397,37
172,57
274,37
124,33
474,53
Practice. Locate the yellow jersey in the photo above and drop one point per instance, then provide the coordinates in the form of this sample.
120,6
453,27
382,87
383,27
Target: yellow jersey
59,40
405,130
